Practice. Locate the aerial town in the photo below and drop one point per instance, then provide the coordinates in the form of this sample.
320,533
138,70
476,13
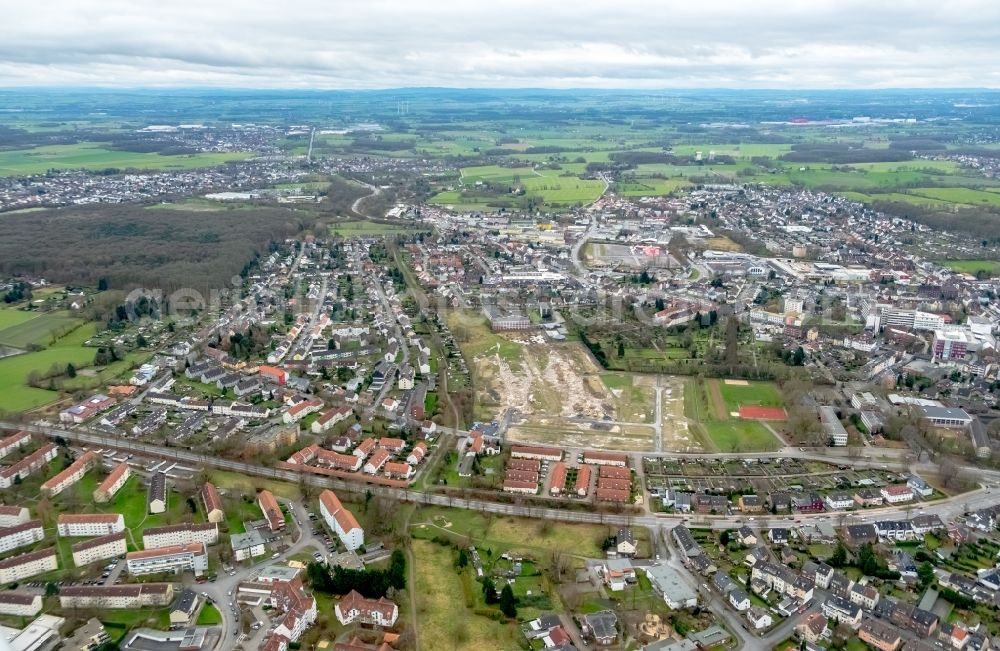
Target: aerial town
726,414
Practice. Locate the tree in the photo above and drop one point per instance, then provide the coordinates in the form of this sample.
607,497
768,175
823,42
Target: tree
463,559
70,371
102,284
51,589
508,602
490,591
839,557
926,574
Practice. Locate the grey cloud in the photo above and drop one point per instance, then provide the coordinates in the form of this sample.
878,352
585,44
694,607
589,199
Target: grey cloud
389,43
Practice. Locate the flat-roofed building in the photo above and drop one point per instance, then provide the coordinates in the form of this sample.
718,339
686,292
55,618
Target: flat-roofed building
89,524
88,637
247,545
99,549
175,558
112,483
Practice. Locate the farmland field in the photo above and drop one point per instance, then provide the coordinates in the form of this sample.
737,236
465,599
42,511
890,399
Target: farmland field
362,228
972,266
10,317
960,195
90,155
37,330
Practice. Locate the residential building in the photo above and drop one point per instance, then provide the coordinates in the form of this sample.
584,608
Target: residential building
19,603
373,612
89,524
247,545
897,493
30,464
21,535
108,488
99,549
213,503
341,520
602,626
12,515
72,474
176,558
116,597
271,510
183,610
180,534
156,498
19,567
879,634
843,611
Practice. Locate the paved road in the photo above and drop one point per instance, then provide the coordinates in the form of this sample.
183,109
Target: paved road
223,591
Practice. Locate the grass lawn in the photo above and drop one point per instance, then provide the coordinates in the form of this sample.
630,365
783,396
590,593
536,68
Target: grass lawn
123,619
972,266
234,481
91,155
443,619
209,616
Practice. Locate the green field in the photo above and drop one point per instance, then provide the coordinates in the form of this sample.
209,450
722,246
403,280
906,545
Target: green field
636,186
10,317
960,195
92,156
363,228
973,267
763,394
739,150
38,329
727,434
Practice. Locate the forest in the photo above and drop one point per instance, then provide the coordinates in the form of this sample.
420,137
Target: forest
130,246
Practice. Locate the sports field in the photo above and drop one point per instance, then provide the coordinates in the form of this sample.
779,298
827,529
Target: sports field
709,411
762,394
92,156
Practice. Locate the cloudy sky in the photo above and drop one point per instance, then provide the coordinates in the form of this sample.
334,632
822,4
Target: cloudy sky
502,43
